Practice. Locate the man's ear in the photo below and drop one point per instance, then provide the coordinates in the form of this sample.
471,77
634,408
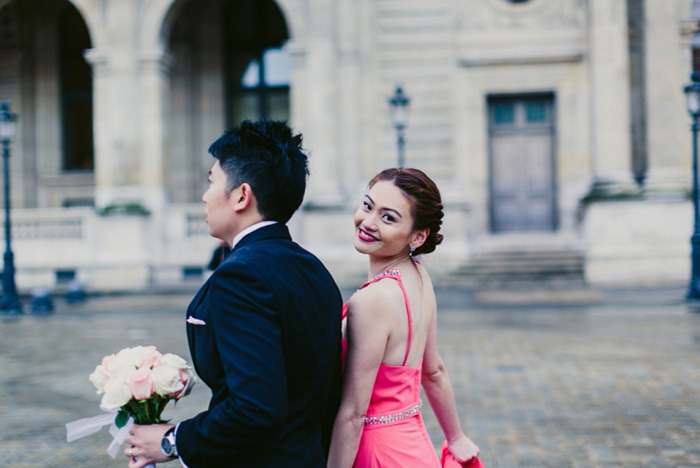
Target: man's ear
242,196
419,237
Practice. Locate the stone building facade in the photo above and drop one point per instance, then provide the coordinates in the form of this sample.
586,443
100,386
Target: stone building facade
549,125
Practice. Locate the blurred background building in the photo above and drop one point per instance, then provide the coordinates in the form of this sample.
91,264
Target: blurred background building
556,130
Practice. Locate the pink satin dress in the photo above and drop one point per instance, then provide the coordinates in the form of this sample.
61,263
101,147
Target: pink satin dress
394,435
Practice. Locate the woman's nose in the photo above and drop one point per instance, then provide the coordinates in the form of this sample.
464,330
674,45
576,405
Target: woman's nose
370,221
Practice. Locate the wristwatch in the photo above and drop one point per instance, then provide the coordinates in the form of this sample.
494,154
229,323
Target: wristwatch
167,444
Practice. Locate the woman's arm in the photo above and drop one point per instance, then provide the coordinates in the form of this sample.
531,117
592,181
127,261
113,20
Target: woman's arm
367,331
438,389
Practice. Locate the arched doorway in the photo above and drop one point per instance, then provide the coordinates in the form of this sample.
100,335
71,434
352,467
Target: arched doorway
49,84
228,65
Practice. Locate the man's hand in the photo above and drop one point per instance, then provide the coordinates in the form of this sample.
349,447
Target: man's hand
144,445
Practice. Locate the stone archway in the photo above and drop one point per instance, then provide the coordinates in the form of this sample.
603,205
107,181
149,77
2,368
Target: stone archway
160,15
49,84
206,90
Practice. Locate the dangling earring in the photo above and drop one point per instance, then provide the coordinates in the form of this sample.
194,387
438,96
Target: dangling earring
411,251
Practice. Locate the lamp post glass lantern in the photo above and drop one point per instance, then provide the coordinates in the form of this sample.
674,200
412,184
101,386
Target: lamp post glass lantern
9,301
399,115
692,94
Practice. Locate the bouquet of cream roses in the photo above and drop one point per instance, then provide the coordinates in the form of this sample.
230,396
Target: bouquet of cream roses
140,381
136,383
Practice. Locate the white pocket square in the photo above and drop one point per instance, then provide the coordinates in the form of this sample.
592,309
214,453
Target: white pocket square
195,321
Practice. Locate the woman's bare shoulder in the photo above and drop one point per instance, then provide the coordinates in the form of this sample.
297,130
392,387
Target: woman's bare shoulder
374,297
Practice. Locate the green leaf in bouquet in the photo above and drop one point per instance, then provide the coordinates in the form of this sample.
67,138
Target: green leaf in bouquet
121,419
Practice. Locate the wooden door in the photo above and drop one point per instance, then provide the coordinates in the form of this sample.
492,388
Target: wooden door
522,172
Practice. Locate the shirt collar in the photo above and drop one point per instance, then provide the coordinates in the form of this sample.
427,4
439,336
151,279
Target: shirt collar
249,229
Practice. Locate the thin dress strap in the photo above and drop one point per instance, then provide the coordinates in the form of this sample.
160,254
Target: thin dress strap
396,274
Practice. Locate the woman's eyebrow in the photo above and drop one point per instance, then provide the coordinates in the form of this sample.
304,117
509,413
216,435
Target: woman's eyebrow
385,208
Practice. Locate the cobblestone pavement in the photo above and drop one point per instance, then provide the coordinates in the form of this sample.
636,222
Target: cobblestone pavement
611,383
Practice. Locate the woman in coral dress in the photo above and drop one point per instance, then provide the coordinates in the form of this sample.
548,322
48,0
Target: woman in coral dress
389,336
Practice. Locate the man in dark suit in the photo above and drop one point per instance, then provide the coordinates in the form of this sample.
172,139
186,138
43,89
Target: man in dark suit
264,330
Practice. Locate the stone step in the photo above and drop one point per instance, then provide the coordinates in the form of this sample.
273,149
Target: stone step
522,269
524,263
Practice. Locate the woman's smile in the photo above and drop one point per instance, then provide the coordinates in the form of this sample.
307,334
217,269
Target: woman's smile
365,236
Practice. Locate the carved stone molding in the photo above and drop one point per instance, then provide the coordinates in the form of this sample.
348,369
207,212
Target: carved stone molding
529,56
535,14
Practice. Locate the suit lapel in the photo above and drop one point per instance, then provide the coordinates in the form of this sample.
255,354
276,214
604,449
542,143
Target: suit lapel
273,231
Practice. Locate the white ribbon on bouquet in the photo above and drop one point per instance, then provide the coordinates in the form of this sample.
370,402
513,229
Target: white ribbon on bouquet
84,427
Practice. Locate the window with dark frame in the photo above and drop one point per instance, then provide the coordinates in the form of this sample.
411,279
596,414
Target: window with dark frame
258,73
76,92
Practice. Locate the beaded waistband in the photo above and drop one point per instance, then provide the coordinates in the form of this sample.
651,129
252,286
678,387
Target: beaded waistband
394,417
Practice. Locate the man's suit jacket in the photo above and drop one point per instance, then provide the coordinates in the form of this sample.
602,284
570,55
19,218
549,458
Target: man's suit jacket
269,349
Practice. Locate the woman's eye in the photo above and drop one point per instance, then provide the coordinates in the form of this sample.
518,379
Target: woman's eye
388,218
366,206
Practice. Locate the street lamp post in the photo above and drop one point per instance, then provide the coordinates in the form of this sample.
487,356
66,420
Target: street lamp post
692,94
399,115
9,301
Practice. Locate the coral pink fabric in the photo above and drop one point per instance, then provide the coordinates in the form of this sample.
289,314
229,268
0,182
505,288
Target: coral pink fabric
402,443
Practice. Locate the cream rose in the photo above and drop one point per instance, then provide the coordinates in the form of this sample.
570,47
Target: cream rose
173,360
166,380
99,378
106,360
117,394
121,364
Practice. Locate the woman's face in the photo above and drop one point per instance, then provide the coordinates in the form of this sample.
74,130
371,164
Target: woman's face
383,222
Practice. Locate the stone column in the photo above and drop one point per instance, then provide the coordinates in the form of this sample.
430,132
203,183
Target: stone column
351,98
610,92
667,71
116,129
102,167
314,104
123,239
117,105
154,68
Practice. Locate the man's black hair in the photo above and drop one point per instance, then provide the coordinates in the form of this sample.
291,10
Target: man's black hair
266,155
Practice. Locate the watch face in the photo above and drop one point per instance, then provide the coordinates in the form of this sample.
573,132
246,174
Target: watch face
166,446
